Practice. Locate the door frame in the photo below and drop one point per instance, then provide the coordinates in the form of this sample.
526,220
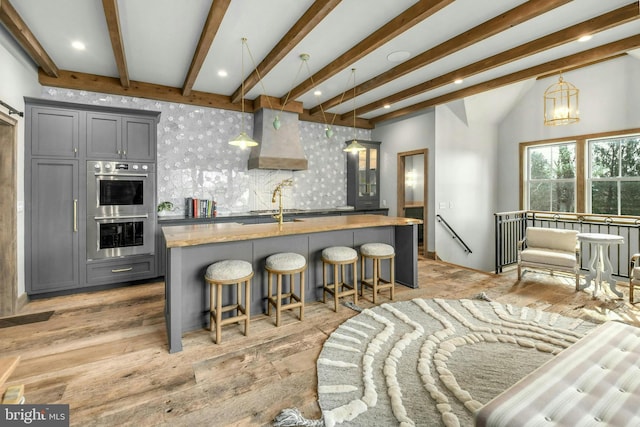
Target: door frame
8,216
401,188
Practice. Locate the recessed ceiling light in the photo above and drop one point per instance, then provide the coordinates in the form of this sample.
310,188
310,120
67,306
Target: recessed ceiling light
398,56
78,45
222,73
387,106
458,81
585,38
317,92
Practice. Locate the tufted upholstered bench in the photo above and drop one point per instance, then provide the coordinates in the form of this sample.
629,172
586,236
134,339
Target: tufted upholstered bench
595,381
223,273
339,257
280,264
376,252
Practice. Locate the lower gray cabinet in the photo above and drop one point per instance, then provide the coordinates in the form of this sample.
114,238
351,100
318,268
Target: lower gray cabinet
55,224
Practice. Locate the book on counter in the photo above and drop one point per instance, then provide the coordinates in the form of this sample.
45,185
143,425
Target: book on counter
200,208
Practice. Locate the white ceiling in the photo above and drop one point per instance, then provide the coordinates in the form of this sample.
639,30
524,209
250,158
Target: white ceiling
161,36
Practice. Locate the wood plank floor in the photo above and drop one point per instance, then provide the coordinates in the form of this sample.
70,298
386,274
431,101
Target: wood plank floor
105,353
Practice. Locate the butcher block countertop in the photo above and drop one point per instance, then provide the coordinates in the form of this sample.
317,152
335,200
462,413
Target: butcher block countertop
201,234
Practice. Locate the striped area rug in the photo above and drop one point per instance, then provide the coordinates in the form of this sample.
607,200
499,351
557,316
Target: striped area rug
430,362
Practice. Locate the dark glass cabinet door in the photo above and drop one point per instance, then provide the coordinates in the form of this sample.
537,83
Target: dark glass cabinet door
363,176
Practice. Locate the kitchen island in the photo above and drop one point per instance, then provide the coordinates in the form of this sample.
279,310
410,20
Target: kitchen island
192,248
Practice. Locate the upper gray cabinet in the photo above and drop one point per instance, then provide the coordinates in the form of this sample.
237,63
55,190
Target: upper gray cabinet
54,132
118,137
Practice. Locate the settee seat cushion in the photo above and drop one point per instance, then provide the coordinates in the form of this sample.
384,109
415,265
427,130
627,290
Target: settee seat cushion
553,258
552,238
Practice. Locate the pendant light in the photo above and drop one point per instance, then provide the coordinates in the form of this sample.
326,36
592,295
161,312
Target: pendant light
354,146
561,104
243,140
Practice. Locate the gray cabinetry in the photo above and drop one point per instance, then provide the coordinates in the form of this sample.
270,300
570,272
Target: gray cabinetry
59,138
363,176
55,226
54,132
111,136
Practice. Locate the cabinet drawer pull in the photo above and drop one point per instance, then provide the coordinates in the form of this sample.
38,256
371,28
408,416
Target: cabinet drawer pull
121,270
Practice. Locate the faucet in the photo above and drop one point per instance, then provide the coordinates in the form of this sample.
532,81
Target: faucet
278,192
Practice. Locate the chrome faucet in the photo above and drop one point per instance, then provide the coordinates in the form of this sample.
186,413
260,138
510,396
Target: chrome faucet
278,192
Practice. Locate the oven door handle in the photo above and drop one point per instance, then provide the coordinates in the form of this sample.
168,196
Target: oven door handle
136,175
98,218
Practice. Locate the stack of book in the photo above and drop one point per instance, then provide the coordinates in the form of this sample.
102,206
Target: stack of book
200,208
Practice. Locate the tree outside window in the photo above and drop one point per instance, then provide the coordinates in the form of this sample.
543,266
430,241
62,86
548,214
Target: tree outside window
615,175
552,177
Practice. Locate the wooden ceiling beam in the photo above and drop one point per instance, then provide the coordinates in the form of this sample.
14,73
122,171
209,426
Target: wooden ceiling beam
211,27
23,35
510,18
115,34
102,84
398,25
307,22
595,25
589,56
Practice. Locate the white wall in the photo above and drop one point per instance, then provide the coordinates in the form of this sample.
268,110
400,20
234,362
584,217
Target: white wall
465,183
413,133
18,78
609,101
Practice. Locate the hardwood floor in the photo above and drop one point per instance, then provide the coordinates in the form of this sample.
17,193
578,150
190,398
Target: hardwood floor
105,353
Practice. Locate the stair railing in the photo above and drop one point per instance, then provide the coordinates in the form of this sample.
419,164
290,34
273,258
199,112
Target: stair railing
453,233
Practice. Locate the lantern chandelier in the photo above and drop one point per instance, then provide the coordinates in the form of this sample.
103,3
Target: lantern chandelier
561,104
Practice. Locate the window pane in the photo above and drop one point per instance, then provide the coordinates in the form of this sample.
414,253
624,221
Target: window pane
630,154
604,197
605,159
563,197
564,161
630,198
540,163
540,196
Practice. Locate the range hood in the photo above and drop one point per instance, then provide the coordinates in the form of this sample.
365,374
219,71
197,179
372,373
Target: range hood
277,149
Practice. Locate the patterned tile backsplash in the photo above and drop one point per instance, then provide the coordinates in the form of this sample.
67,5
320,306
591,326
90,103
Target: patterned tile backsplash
195,160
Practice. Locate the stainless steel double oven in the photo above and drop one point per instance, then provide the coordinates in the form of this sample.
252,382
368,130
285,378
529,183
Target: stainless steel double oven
120,209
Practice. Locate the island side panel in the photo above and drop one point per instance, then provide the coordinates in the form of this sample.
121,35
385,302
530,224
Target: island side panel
406,237
173,299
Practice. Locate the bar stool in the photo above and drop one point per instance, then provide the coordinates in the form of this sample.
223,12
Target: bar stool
377,252
223,273
285,263
339,256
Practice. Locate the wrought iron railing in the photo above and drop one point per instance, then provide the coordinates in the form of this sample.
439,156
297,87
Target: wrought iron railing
453,233
510,228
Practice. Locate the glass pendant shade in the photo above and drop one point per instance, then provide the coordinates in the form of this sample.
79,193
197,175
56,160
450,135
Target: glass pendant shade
354,147
243,141
561,104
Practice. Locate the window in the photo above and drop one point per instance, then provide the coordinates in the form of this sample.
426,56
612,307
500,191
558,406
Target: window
614,175
551,177
598,173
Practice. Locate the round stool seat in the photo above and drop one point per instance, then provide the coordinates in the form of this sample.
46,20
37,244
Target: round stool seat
228,270
377,249
339,254
285,261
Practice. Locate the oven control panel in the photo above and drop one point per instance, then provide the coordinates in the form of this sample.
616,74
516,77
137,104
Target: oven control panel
122,167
